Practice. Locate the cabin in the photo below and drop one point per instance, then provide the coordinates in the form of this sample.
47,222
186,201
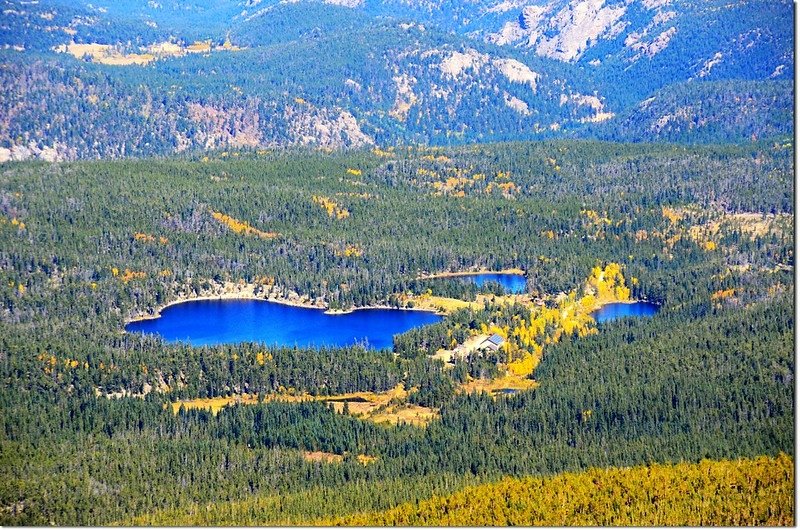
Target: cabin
493,343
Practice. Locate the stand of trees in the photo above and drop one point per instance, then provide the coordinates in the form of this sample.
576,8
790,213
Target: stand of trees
86,245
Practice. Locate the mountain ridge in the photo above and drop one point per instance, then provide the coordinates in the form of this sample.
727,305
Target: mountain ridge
379,72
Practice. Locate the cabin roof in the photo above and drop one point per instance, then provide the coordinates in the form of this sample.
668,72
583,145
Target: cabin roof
496,339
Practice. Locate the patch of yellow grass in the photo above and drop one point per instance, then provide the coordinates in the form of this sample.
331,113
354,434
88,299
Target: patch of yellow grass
199,47
441,304
105,54
321,456
118,59
367,459
443,355
507,381
333,458
383,407
215,404
405,413
379,407
111,55
166,48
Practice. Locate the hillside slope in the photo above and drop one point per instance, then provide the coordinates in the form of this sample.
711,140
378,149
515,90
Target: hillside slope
83,80
712,493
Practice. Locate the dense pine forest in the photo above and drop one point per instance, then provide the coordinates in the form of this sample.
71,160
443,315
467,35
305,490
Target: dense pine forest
99,427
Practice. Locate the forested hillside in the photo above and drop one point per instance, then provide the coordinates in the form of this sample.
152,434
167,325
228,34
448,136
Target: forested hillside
101,426
755,492
620,172
129,79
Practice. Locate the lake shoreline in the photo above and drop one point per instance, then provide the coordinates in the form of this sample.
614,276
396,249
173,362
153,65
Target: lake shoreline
456,274
613,310
283,301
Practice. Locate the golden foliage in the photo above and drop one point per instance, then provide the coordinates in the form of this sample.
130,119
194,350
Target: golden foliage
331,207
129,275
595,218
508,188
508,381
214,404
749,492
722,294
440,159
672,214
367,459
322,456
17,223
384,153
242,227
350,251
333,458
608,284
572,315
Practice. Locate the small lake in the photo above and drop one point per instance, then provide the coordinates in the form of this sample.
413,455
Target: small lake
210,322
621,310
512,283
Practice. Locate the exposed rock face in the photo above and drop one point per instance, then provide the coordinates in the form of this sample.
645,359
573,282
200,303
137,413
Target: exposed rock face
330,128
711,63
516,72
222,127
516,104
578,26
638,41
655,4
457,62
565,31
57,152
430,80
593,103
405,97
345,3
528,24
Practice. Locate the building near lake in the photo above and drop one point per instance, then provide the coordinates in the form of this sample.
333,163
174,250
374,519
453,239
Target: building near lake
493,343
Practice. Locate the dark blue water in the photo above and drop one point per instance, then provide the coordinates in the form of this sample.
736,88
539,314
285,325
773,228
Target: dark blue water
512,283
208,322
620,310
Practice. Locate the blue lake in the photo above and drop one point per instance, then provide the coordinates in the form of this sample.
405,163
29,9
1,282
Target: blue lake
620,310
209,322
512,283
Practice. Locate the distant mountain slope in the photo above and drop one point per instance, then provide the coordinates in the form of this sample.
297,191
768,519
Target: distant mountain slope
86,79
720,111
